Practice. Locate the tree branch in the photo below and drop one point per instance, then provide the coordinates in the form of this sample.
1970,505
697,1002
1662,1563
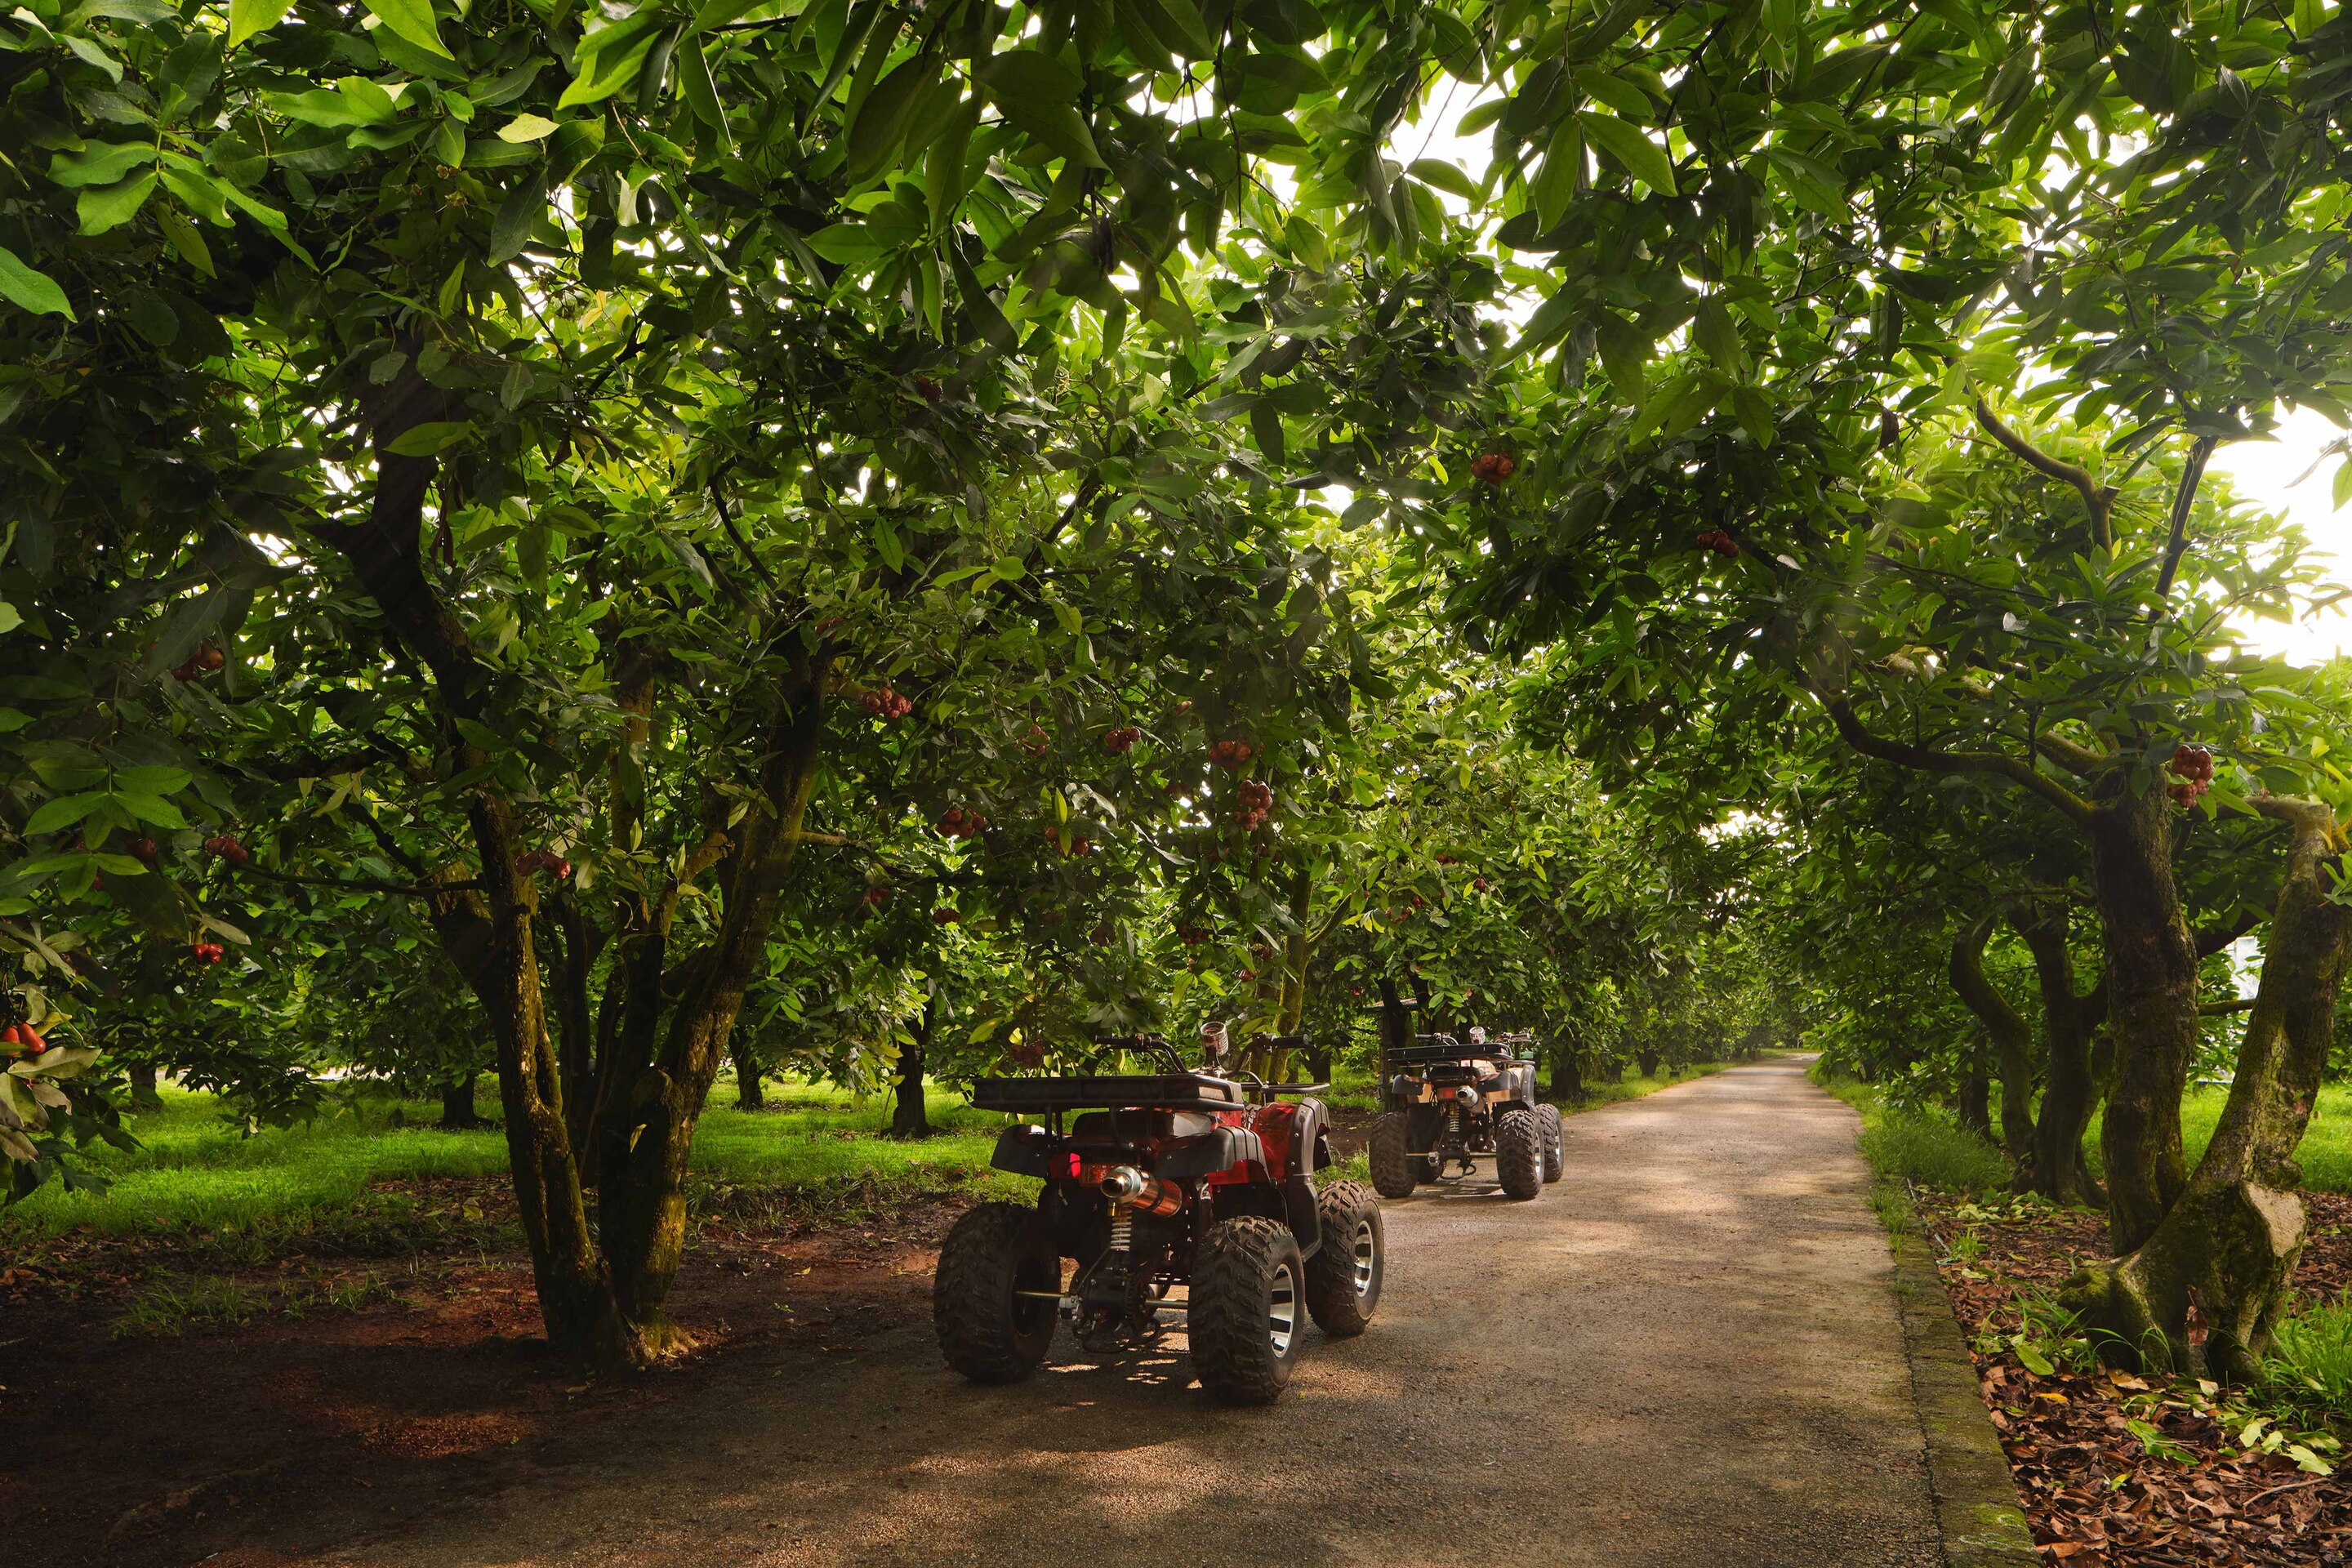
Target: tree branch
1851,730
2184,496
357,884
2098,498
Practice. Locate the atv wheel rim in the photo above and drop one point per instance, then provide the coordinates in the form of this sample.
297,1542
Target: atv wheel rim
1281,1310
1367,1254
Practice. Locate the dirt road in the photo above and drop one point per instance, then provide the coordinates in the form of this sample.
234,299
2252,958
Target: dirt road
1683,1354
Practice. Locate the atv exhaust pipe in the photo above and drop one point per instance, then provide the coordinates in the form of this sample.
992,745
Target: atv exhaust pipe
1128,1188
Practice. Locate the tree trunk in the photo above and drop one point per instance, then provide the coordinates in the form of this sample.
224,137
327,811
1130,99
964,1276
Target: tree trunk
487,933
576,1300
575,1024
644,1193
2012,1051
1648,1061
2070,1091
909,1115
748,1095
144,1094
457,1112
2201,1293
2151,988
1396,1029
1972,1106
1567,1074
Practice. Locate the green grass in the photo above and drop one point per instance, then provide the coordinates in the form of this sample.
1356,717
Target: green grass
2325,1153
1921,1146
2311,1357
195,1172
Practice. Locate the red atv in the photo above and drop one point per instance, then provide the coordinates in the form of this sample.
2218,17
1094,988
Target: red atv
1181,1195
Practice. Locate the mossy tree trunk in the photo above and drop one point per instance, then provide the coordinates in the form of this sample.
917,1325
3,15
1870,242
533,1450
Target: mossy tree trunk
2069,1089
2012,1051
2201,1292
2151,985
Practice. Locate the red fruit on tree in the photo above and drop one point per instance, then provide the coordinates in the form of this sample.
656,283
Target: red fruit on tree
929,390
877,897
1117,741
1492,468
1230,754
1035,741
144,849
225,846
185,669
209,657
1479,883
946,917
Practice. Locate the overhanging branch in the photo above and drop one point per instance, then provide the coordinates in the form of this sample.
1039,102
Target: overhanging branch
2099,499
1854,733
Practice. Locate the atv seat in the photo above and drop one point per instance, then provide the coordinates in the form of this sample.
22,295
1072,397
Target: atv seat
1169,1091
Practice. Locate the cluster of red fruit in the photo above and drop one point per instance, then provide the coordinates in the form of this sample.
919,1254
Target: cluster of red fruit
225,846
26,1036
1117,742
1479,884
207,658
2193,767
1230,754
944,916
1256,801
1715,539
1492,468
884,704
1078,847
958,823
929,390
207,952
1036,741
531,860
144,848
1190,936
877,897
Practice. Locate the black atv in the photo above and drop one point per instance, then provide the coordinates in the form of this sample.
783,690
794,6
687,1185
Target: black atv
1451,1103
1181,1195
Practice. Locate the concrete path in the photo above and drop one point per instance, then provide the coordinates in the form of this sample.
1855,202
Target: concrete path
1686,1353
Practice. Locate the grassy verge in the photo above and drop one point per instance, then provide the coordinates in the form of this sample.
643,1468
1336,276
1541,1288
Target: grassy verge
195,1171
2325,1153
2308,1372
1925,1147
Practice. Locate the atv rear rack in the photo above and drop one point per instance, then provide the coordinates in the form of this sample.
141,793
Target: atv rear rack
1163,1092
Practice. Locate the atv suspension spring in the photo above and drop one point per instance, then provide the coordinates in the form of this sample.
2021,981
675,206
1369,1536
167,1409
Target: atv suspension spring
1122,1230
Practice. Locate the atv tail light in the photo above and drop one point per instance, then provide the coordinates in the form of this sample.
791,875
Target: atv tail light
1075,1168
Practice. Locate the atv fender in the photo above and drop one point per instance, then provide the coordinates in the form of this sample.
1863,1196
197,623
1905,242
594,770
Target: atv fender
1022,1150
1221,1150
1299,1212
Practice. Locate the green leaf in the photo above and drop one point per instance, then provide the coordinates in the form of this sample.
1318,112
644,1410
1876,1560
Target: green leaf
1446,176
526,128
433,436
30,290
700,89
413,20
150,808
1718,334
104,207
2031,1354
247,17
1039,95
1642,158
64,812
99,163
610,58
